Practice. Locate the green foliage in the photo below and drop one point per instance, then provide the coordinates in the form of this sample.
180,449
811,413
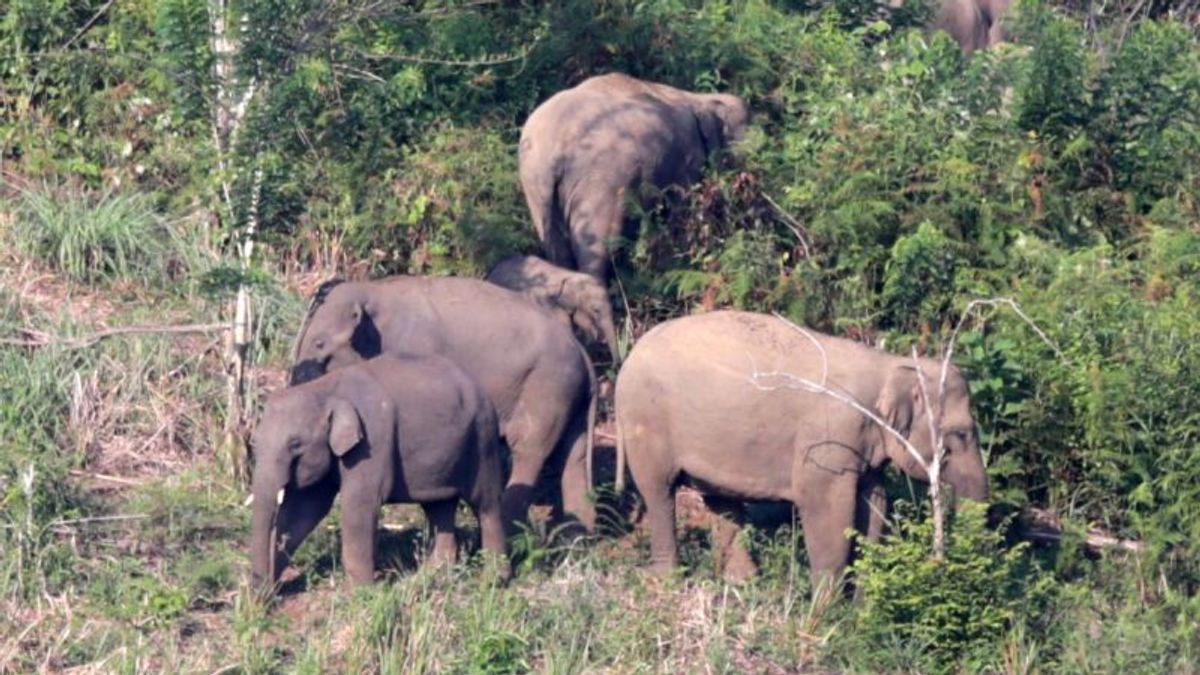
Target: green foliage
887,180
954,610
97,238
918,280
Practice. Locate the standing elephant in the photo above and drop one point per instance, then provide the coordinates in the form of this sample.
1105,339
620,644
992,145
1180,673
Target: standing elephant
965,22
582,301
711,398
528,363
584,148
973,24
385,431
993,13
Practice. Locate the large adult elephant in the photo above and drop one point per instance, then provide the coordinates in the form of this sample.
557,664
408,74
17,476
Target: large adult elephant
724,400
585,148
973,24
994,12
965,22
524,358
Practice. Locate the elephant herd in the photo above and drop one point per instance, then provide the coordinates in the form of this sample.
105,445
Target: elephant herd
417,389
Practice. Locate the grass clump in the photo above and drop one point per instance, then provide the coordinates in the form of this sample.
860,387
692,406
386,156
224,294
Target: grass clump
96,237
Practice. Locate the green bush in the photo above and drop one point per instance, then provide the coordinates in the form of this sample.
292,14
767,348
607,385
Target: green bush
954,611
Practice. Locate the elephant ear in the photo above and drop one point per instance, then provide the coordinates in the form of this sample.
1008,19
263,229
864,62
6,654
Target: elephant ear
711,126
345,427
898,403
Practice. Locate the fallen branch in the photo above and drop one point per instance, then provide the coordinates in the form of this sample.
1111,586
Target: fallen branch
42,339
1041,525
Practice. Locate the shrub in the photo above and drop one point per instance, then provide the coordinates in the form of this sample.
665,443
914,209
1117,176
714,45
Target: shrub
953,610
96,238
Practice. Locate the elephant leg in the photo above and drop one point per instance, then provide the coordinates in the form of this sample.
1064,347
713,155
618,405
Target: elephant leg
532,435
360,526
825,517
441,523
491,531
300,513
733,560
595,222
542,199
577,502
871,506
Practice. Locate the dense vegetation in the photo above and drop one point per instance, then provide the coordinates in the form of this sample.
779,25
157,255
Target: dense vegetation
887,182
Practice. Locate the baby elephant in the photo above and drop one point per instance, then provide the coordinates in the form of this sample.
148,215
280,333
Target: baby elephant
384,431
580,298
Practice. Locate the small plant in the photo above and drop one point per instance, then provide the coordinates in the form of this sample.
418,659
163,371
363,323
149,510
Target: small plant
94,238
953,610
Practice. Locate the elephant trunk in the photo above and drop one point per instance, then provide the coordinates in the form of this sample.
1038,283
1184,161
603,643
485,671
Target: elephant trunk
610,339
968,477
267,558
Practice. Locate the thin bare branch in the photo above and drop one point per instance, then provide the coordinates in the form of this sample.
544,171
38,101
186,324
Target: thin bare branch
805,332
792,224
796,382
88,26
424,60
42,339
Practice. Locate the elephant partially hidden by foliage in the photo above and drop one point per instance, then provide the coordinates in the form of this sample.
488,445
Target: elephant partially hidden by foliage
974,24
384,431
718,399
585,148
527,361
582,301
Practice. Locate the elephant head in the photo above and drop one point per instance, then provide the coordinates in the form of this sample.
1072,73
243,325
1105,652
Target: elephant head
295,445
590,310
337,331
908,408
722,119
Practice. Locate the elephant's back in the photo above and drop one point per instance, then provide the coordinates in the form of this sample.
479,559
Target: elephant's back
602,111
500,338
733,354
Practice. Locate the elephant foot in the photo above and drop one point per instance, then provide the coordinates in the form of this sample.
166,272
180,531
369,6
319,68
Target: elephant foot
662,569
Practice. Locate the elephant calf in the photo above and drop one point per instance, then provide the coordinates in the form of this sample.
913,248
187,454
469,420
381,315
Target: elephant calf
384,431
715,399
581,300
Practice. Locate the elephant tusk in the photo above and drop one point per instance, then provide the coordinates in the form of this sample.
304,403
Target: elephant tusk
249,500
279,497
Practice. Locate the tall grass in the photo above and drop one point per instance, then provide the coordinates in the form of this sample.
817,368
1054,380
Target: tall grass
93,238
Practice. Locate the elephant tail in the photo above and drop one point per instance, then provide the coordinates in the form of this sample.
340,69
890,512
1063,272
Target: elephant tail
620,480
593,400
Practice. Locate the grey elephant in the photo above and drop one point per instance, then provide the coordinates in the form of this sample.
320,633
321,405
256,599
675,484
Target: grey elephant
585,149
384,431
994,12
528,363
713,399
973,24
965,22
581,300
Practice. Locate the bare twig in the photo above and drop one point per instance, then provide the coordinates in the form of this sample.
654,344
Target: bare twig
792,224
105,477
88,26
816,343
424,60
1042,525
804,384
42,339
